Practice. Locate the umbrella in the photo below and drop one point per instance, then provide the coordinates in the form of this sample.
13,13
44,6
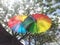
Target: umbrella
15,23
37,23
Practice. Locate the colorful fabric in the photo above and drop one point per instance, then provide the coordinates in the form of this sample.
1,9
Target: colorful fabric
15,23
36,23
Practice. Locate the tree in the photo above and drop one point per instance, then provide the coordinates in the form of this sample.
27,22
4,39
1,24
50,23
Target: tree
26,7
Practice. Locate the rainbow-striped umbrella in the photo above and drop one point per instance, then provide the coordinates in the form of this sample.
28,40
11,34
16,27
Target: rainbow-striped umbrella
37,23
15,23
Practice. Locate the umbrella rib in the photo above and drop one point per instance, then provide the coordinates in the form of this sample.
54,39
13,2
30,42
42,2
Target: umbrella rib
24,36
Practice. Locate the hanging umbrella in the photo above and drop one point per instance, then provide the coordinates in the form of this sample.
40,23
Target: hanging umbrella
15,23
37,23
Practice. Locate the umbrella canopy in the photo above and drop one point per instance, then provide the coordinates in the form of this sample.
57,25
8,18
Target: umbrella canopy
37,23
15,23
